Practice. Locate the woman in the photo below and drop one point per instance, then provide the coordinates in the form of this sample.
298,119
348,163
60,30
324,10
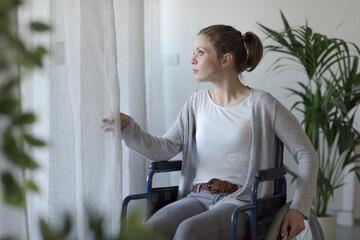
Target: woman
225,134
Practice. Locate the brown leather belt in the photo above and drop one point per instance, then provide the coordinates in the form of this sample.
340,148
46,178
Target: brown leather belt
215,186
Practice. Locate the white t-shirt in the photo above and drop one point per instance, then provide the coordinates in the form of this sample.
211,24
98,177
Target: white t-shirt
223,137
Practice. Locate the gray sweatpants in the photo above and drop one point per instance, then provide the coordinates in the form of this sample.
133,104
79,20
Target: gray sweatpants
190,218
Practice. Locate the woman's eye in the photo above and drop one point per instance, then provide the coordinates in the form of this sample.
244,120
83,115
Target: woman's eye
200,53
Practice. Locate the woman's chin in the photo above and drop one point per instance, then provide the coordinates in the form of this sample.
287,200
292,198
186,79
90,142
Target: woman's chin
198,79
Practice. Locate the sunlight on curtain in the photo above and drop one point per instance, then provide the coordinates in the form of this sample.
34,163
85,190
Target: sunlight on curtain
140,73
154,79
81,167
153,68
129,19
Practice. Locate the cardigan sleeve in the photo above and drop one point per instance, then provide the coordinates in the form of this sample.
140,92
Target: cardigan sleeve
152,147
175,140
291,133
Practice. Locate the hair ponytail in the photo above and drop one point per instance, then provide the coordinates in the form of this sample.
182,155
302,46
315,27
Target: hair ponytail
254,50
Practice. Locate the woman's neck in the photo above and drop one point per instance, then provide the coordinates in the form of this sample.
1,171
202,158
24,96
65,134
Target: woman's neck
229,91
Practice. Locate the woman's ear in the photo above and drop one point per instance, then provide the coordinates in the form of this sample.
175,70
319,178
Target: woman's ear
226,60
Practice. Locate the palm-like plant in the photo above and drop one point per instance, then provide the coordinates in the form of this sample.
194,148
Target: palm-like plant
328,99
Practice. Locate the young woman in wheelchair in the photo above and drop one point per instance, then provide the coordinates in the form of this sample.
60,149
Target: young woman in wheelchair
225,134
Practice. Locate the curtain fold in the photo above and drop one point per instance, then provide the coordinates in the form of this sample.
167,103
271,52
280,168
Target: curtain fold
153,68
154,78
140,73
129,20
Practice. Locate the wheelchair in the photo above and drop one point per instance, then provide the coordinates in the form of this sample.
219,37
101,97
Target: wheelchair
266,214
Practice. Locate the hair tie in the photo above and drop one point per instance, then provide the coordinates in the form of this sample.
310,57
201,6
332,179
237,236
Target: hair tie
246,46
244,38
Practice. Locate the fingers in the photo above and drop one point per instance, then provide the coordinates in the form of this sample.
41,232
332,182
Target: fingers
292,232
295,230
107,128
293,224
109,119
284,227
108,122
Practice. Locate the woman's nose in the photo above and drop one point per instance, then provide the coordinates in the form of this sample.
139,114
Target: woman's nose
193,61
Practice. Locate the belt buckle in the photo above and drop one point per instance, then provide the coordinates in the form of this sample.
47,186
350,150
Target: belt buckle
212,185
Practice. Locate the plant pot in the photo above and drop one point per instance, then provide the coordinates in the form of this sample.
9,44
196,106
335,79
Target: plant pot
328,225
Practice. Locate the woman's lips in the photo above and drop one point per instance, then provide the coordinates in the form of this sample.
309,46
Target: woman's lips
195,71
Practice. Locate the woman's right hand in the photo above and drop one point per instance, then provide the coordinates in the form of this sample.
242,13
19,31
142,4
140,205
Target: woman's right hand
108,121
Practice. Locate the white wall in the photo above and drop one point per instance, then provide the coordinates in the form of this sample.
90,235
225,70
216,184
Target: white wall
182,19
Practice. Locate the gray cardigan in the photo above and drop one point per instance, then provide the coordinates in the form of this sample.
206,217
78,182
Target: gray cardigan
269,119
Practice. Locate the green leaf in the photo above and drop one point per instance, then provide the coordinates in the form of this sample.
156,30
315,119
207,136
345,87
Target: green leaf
48,233
25,118
8,5
33,141
29,184
135,229
12,192
37,55
14,154
39,26
9,106
96,226
40,50
9,86
9,147
26,161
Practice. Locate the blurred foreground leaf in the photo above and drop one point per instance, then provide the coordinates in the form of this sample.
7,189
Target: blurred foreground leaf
31,186
49,233
33,141
12,192
39,26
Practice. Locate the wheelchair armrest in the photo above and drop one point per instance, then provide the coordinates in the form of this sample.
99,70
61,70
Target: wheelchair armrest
270,173
166,165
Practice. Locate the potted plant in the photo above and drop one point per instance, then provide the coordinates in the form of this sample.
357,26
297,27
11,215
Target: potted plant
328,98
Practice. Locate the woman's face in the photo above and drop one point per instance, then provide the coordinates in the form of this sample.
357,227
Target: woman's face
206,66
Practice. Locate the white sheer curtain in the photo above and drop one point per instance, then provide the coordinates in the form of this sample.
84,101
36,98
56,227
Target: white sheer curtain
140,73
81,167
98,60
130,39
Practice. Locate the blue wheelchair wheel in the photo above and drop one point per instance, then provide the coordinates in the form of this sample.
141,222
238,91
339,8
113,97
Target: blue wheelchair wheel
312,227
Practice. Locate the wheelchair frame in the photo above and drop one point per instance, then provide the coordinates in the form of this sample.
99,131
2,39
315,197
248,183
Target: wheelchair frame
260,216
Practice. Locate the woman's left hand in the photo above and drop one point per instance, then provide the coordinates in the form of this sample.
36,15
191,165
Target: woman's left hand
293,224
108,123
